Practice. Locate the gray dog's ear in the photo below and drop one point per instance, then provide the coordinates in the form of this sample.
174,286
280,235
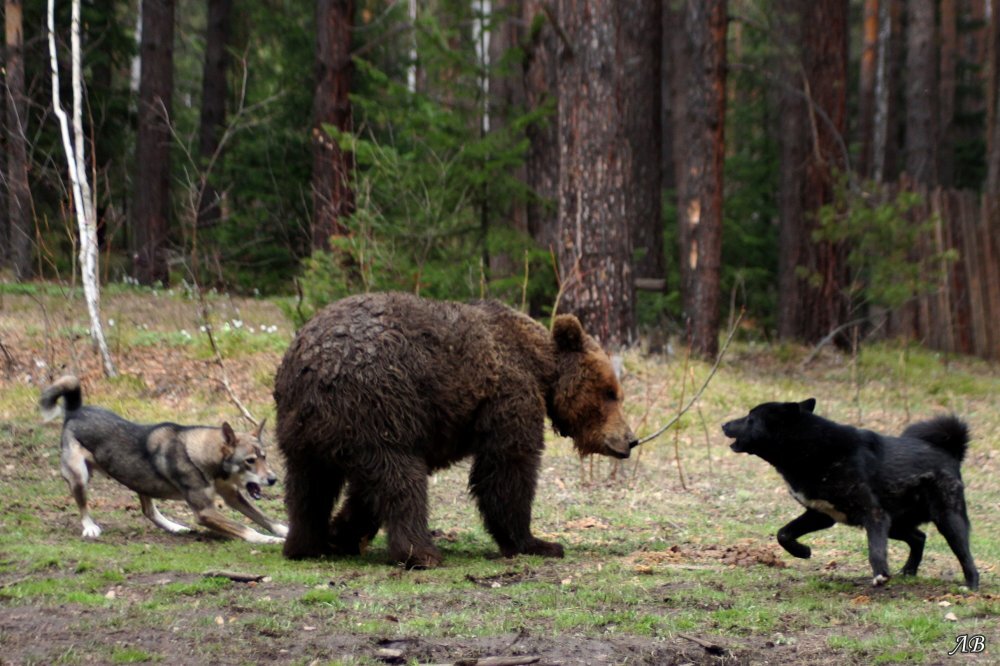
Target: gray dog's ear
260,428
808,405
229,437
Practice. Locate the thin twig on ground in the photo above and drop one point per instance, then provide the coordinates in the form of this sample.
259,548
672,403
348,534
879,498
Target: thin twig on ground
680,402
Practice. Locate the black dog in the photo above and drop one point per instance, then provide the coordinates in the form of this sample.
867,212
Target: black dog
888,485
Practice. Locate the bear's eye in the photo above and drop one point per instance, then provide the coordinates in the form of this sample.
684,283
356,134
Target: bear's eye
611,395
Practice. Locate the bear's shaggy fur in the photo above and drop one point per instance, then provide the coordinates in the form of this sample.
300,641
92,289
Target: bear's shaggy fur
378,391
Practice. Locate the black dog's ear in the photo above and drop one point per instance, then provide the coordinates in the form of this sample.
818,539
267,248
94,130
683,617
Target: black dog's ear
808,405
568,333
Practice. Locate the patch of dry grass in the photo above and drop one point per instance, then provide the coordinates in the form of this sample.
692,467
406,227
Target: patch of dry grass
649,559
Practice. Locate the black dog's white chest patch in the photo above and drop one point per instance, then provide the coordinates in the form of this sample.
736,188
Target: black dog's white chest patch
823,506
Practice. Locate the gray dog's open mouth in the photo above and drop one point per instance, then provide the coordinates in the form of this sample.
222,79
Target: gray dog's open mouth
254,490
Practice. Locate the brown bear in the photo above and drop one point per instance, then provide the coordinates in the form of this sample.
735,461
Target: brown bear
380,390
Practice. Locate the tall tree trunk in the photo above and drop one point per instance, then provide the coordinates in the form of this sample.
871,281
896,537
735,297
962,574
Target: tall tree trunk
541,90
21,231
213,102
812,275
4,211
151,213
333,199
702,157
921,93
949,57
670,45
642,22
595,173
885,138
993,106
866,96
505,89
76,161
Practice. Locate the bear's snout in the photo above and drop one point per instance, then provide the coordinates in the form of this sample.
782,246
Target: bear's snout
620,446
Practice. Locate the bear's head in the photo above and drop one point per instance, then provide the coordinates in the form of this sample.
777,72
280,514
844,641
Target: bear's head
586,403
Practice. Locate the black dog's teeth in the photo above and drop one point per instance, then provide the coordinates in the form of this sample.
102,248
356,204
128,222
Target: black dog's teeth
254,490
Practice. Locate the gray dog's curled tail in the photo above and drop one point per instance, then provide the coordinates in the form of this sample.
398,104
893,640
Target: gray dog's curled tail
66,387
948,433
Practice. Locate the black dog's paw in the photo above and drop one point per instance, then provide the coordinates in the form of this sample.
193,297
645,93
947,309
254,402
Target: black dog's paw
797,549
908,571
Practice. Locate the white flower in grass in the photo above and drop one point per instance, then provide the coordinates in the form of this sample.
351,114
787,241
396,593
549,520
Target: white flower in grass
111,323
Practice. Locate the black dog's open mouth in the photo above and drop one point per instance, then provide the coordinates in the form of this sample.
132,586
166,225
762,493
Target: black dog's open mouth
254,490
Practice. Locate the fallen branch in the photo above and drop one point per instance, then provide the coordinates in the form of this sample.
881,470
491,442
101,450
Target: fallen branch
235,576
825,341
710,647
694,399
498,661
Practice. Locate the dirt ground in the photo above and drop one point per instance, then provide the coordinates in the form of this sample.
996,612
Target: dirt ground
43,633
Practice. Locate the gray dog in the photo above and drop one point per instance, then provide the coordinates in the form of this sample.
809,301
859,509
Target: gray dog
163,461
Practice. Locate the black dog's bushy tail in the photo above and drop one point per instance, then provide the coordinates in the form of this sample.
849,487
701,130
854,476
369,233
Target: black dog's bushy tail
67,388
948,433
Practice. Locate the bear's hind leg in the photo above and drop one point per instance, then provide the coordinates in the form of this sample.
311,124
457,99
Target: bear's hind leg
356,523
399,497
311,490
504,488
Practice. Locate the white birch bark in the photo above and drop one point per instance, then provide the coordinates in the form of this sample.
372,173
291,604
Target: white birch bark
83,200
411,68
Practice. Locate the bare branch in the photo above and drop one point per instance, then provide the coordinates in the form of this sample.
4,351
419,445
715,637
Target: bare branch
697,396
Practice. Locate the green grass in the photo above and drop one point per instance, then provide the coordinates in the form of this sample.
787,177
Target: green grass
646,556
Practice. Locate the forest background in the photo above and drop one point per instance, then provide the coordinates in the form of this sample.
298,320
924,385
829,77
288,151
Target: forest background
832,166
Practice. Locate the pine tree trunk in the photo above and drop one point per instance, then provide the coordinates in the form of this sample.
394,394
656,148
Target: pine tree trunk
4,211
702,156
595,173
812,274
866,96
885,139
213,102
21,231
151,213
946,91
333,199
670,44
921,93
541,85
993,105
505,96
642,22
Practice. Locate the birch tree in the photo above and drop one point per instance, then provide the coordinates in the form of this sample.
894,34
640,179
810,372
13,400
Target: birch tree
83,198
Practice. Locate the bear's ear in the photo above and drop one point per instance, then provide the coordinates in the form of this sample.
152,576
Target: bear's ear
808,405
568,333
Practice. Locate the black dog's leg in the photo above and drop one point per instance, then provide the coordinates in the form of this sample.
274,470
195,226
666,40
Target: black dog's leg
949,515
915,539
877,528
810,521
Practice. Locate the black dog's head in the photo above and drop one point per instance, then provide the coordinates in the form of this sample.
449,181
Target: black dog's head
755,432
